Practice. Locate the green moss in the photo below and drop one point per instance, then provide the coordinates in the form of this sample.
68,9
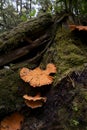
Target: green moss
12,88
83,94
78,107
74,122
10,99
33,28
73,115
1,42
66,54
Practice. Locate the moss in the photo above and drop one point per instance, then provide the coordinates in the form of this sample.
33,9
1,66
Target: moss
12,88
1,42
33,29
9,97
78,109
66,54
84,94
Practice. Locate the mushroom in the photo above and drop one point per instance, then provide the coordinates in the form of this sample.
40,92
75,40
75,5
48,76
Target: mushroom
12,122
38,77
34,102
79,27
51,68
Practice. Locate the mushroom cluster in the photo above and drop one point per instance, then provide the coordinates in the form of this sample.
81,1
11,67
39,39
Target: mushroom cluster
37,78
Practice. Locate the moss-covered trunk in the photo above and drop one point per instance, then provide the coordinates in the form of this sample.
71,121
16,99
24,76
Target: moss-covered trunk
65,111
26,44
31,29
21,41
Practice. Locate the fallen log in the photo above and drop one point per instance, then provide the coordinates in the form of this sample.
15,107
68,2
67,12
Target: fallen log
31,29
21,41
22,51
67,56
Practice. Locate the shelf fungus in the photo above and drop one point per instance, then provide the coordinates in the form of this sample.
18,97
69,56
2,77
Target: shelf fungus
38,77
34,102
78,27
50,68
12,122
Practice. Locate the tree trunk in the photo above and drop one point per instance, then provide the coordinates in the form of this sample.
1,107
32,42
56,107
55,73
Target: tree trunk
69,54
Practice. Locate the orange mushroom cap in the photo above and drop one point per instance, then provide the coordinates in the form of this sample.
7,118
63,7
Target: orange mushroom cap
34,102
51,68
38,77
78,27
72,27
12,122
25,74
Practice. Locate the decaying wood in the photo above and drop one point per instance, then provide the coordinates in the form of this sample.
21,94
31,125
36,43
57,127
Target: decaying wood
67,97
23,39
22,51
31,29
17,43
